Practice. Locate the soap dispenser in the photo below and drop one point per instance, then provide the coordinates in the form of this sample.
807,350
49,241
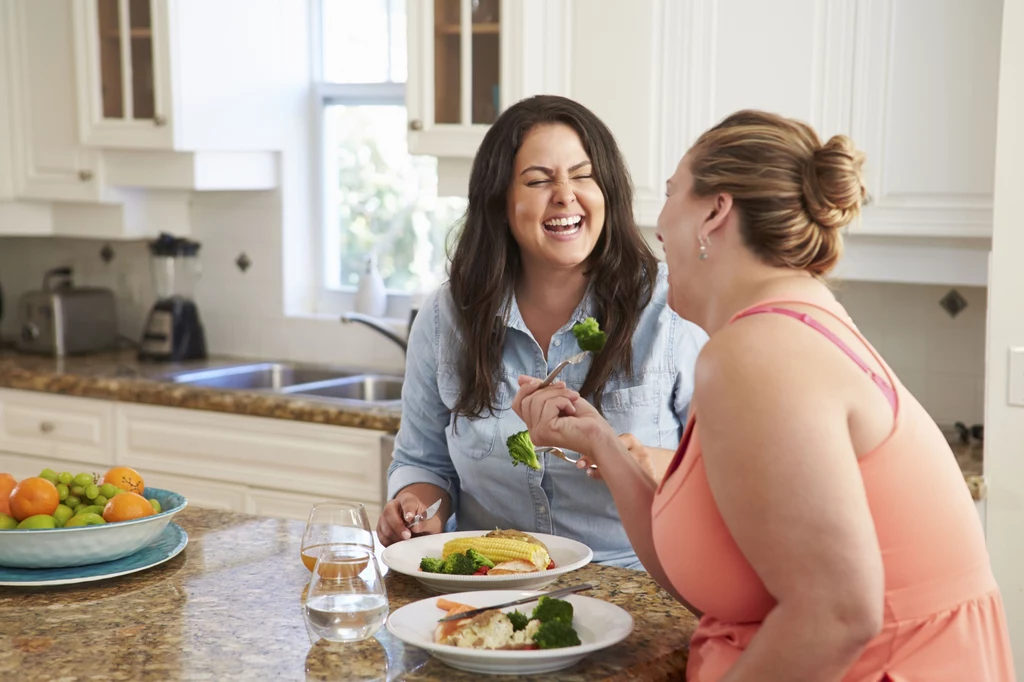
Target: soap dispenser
372,295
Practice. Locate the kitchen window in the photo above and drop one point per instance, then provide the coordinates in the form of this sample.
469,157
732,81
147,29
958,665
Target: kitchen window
377,199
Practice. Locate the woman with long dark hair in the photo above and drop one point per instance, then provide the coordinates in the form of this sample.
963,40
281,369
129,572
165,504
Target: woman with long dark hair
549,239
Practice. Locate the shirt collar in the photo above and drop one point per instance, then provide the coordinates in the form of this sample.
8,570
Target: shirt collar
509,311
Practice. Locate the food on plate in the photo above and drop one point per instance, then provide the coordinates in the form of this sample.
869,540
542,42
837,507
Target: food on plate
65,500
548,627
589,335
521,449
500,552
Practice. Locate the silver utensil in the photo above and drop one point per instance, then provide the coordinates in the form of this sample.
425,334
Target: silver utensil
557,452
425,516
517,602
574,360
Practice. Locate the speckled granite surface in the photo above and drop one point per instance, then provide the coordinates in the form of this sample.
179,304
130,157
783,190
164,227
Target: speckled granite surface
121,376
229,608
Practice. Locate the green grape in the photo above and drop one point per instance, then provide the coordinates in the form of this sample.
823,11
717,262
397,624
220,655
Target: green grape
108,490
83,480
89,509
92,491
50,475
100,501
72,501
62,513
78,490
62,492
155,503
65,477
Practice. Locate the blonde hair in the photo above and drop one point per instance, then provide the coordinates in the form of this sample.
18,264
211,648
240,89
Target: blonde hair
793,193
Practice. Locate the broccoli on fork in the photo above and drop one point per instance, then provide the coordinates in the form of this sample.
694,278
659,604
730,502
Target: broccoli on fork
520,447
589,335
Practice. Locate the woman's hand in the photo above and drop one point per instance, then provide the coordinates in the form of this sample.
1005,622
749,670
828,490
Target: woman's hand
649,459
558,416
391,527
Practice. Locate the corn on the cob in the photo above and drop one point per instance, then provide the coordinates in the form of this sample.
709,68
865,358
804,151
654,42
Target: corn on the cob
500,549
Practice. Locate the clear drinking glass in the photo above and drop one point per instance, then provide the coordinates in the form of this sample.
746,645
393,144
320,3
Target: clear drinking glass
335,524
347,600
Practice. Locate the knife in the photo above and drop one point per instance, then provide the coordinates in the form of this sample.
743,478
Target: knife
517,602
425,516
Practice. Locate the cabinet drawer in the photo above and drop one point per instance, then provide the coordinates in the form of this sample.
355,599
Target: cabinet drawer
297,506
200,493
23,466
327,462
74,429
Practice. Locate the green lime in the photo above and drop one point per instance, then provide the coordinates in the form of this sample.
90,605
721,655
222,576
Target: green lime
108,490
50,475
62,513
84,480
8,522
156,505
38,521
84,520
65,477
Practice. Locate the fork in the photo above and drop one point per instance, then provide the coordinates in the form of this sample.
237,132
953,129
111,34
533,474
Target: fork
557,452
574,360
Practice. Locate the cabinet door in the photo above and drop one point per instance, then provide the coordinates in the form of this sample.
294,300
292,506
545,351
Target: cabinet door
296,506
23,466
49,163
200,492
61,427
122,59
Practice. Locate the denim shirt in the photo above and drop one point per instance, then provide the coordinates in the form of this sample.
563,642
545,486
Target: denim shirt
472,463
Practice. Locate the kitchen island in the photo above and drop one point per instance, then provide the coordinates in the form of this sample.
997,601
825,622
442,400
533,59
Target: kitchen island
229,607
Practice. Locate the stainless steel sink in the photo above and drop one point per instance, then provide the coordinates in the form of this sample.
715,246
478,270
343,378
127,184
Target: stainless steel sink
333,384
364,388
272,376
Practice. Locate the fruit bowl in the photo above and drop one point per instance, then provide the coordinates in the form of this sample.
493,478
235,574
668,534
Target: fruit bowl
82,545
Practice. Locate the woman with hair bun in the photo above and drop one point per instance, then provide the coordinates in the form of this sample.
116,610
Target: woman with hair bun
814,515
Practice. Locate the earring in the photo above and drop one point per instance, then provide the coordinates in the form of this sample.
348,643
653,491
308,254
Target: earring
703,248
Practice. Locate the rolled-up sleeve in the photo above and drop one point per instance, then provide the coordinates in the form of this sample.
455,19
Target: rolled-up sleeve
421,447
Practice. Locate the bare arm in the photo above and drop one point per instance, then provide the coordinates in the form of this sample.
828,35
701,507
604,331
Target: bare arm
790,491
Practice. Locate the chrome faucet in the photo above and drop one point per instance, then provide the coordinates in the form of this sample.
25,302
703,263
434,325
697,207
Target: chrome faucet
380,326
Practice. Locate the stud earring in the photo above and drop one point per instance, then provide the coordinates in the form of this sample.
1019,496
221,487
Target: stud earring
703,248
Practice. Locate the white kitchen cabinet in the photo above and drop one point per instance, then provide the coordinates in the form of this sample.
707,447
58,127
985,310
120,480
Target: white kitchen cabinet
54,426
296,505
179,74
470,59
23,466
202,493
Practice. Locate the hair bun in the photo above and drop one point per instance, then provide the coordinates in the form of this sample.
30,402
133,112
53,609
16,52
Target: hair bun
833,187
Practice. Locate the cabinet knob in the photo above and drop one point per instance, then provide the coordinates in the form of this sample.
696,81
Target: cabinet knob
46,427
159,121
85,175
416,124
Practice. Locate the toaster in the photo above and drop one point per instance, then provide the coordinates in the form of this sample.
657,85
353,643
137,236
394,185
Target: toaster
67,320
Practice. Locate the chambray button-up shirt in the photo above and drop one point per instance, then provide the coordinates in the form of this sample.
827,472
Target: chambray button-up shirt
472,463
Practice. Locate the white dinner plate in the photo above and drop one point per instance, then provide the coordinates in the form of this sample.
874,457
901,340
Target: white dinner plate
598,623
404,557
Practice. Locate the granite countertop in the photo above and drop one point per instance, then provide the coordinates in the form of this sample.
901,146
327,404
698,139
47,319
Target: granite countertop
121,376
229,608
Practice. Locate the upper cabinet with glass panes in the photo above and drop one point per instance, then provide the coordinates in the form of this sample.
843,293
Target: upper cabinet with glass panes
468,60
179,74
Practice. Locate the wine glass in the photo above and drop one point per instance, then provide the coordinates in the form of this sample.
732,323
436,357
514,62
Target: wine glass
334,524
347,600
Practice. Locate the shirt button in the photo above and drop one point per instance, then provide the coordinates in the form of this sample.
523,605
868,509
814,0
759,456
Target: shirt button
558,342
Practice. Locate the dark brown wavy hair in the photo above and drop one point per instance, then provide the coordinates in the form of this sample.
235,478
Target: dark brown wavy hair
486,261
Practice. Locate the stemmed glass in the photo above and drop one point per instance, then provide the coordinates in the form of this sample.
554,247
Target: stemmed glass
347,600
333,524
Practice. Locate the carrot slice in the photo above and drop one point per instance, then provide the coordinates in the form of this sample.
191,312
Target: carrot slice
447,604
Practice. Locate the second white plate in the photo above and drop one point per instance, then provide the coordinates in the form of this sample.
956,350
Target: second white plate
404,557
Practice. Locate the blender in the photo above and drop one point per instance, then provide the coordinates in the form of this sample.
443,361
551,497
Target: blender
173,330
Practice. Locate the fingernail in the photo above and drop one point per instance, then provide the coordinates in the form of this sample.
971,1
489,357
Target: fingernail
581,465
408,516
406,535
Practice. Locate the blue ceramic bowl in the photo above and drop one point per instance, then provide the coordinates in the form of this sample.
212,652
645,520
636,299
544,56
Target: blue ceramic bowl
61,547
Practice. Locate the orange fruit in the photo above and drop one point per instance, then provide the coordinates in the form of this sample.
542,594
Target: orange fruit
127,507
33,496
125,478
7,483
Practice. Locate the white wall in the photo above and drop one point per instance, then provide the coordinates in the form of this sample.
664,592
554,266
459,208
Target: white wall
1004,424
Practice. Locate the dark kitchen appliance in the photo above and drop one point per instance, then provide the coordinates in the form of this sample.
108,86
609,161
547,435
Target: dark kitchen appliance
173,329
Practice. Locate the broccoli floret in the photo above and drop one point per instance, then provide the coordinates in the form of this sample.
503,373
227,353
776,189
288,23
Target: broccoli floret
429,564
520,447
519,620
589,335
555,634
549,609
479,559
459,564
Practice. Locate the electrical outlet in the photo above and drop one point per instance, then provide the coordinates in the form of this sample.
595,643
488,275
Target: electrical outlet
1017,377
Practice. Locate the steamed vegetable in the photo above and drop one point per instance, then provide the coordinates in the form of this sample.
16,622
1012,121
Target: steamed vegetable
520,448
589,335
